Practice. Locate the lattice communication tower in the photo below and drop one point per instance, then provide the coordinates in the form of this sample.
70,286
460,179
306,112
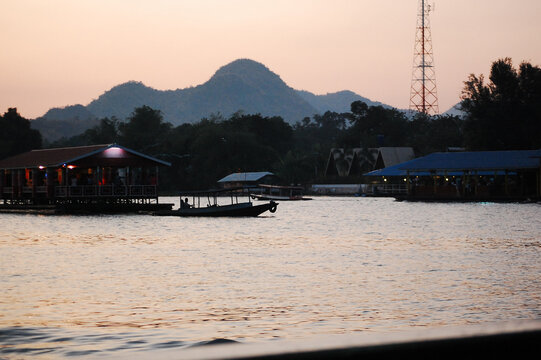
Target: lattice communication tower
423,94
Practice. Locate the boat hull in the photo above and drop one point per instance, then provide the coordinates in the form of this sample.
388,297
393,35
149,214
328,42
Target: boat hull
234,210
278,197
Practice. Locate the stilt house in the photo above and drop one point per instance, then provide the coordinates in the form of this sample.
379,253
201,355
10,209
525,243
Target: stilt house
99,178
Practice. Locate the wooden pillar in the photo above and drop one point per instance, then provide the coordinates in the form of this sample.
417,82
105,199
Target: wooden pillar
20,183
2,181
156,186
408,182
13,184
506,183
49,173
522,178
539,182
463,183
34,184
475,182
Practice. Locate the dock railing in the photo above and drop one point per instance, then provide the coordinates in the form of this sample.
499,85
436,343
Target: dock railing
386,189
109,191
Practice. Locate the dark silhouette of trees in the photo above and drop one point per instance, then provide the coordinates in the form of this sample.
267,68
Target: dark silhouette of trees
312,142
16,135
145,129
428,134
105,133
375,126
206,151
504,114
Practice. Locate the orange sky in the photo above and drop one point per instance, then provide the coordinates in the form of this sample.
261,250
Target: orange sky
65,52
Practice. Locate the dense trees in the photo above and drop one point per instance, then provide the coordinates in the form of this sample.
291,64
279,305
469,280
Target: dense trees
505,113
428,134
145,129
16,136
375,126
206,151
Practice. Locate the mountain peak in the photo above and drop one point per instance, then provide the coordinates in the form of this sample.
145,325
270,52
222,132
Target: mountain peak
241,66
131,85
249,71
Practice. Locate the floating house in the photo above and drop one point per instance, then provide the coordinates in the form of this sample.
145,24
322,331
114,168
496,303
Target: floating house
97,178
463,176
247,179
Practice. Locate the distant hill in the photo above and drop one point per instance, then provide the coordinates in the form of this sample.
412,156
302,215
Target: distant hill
243,84
455,111
67,121
338,102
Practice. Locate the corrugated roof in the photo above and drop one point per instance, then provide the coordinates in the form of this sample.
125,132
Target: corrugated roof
245,176
59,156
391,170
459,161
477,160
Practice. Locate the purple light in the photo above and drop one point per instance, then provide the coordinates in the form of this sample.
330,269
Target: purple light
113,152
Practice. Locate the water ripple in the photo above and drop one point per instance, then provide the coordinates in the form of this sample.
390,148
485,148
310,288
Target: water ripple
90,285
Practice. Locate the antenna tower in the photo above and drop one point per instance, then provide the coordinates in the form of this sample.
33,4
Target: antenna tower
423,94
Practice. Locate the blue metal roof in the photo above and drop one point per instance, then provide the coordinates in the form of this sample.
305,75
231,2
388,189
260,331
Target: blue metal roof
245,176
487,161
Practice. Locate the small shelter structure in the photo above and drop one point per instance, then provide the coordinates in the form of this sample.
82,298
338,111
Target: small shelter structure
97,178
247,179
467,176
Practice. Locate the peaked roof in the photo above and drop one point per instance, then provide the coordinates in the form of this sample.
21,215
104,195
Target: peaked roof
395,155
470,160
59,156
354,161
245,176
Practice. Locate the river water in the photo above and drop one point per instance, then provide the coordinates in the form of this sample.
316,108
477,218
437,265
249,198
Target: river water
116,284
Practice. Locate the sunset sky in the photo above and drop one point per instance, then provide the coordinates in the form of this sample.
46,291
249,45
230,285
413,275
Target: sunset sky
64,52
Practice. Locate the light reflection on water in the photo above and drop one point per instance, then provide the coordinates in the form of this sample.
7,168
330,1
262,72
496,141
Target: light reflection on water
327,266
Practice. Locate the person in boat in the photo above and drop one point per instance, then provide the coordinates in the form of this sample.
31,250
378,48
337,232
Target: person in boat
184,204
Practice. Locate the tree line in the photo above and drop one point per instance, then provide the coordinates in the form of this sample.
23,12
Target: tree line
503,114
